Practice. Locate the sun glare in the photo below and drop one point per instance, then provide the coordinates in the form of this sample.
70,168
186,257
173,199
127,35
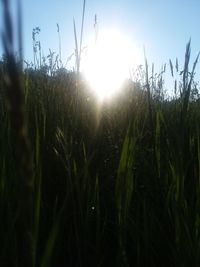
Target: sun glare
107,62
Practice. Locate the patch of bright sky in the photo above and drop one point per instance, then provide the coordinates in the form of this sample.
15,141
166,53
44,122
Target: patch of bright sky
163,27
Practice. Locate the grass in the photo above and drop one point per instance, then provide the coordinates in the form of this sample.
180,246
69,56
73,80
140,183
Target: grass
83,185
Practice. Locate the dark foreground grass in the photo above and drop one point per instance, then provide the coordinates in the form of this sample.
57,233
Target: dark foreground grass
84,184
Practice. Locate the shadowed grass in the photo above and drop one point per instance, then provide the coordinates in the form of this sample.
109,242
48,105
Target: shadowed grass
114,185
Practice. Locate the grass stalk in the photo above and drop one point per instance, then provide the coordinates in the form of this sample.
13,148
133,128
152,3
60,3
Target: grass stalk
20,144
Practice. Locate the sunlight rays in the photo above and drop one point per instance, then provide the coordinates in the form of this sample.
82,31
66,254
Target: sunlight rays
107,62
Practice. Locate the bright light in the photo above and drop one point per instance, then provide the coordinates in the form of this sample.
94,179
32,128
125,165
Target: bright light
107,62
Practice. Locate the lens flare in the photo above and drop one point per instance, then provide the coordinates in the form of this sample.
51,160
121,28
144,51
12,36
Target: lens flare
107,62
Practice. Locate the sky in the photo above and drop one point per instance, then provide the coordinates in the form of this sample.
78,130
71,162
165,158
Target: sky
163,27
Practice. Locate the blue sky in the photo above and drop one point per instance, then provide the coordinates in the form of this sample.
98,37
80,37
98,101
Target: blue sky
162,26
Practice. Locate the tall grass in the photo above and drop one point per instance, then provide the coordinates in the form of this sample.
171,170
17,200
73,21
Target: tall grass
83,185
20,148
78,49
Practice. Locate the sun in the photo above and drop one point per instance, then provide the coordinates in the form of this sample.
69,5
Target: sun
108,62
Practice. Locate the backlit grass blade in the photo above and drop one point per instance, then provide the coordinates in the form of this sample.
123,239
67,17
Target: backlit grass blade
76,47
81,37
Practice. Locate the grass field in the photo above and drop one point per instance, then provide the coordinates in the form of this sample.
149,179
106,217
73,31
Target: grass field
89,184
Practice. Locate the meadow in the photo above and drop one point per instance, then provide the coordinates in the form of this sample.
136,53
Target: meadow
84,183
